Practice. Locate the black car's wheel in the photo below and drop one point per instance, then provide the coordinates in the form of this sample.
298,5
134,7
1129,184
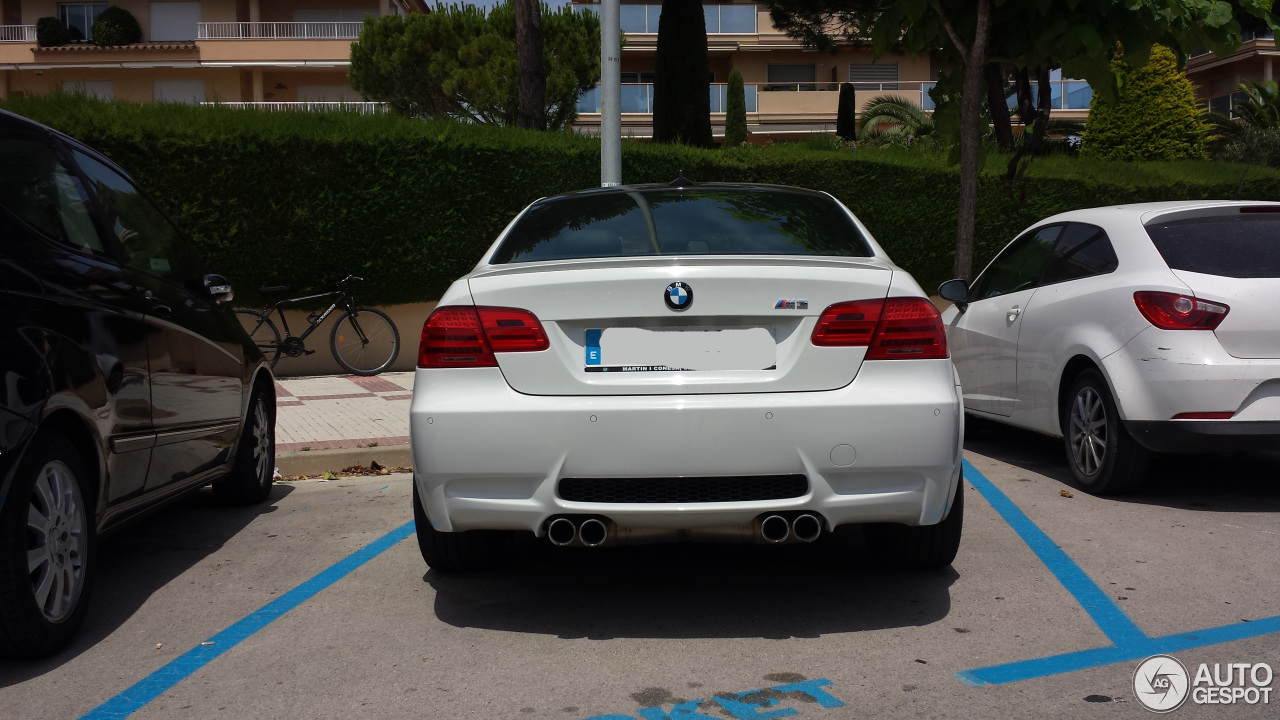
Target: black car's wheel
1103,457
46,551
249,481
262,331
926,547
365,341
449,552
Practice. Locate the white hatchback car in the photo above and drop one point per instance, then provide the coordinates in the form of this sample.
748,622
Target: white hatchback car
652,363
1128,330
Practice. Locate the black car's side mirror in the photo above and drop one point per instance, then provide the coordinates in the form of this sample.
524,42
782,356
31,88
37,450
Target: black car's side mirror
957,291
219,289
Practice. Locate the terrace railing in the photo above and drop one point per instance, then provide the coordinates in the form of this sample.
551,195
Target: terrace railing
364,108
17,33
279,30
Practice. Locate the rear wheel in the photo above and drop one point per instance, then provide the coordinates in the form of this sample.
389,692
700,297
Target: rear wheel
449,552
262,331
365,341
46,551
1102,455
249,481
926,547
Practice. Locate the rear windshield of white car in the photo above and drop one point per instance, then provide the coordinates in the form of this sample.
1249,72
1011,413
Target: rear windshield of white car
1237,246
690,221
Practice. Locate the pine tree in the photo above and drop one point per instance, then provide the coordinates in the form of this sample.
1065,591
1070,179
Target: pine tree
682,76
735,109
846,123
1155,117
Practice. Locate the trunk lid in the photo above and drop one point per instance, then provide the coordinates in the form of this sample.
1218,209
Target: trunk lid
746,328
1251,328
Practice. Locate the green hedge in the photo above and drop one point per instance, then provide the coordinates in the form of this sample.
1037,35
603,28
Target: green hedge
302,199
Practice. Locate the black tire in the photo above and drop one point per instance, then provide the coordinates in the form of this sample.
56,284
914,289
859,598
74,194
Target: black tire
1103,457
262,332
924,547
364,341
30,625
452,552
253,470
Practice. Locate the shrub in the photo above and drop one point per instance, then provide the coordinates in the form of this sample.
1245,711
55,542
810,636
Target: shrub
1154,118
735,121
116,26
1259,146
846,113
302,199
52,32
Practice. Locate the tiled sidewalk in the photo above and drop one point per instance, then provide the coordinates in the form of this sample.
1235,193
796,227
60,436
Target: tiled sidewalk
342,411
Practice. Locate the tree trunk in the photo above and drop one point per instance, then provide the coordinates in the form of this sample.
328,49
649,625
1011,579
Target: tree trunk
999,107
531,104
1044,102
970,142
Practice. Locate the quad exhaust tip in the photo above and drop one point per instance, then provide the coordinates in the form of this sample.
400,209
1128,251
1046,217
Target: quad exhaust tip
806,528
775,529
561,532
592,532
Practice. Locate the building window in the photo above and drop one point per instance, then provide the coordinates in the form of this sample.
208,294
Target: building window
79,17
874,76
791,76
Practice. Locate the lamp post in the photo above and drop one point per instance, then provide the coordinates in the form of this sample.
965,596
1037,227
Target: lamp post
610,94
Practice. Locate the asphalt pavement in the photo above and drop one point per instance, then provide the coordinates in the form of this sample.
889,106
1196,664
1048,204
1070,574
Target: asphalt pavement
318,605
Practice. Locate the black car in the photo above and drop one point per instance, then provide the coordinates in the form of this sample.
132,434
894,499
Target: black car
126,378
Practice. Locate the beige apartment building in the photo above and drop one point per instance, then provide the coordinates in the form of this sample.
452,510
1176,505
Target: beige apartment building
261,51
790,90
1217,79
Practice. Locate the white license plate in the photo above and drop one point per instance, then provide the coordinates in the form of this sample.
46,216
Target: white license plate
652,350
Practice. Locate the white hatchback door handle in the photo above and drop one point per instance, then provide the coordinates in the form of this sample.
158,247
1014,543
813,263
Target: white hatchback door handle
1014,312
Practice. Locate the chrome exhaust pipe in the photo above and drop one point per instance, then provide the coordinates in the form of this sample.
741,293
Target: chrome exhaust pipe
806,527
775,529
561,532
592,532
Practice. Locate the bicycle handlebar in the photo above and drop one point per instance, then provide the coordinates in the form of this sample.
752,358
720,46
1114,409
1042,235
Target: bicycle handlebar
350,278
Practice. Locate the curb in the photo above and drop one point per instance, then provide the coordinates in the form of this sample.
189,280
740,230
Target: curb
317,462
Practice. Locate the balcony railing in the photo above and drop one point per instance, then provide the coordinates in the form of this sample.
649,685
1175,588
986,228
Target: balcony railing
279,30
721,19
364,108
638,98
17,33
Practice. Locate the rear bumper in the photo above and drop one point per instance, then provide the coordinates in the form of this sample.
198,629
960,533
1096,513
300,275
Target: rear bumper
1206,436
487,457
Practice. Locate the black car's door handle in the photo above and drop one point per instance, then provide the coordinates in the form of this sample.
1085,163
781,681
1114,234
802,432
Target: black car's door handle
158,306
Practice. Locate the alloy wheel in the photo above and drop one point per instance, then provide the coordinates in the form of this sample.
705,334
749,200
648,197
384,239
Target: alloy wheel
57,541
1088,431
262,444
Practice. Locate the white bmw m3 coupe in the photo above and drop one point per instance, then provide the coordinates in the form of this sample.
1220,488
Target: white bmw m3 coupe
685,362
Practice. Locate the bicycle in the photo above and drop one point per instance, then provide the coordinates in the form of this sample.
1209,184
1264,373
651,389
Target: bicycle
364,341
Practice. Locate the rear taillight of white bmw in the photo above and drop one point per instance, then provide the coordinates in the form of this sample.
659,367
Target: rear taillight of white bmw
465,336
891,329
1171,311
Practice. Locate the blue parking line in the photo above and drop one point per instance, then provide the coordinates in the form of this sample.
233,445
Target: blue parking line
1128,642
1110,619
1083,660
183,666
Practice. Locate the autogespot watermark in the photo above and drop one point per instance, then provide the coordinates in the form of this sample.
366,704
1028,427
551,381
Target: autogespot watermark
1162,684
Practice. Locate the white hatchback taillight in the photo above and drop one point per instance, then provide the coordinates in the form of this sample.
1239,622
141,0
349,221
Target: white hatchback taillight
890,329
1171,311
464,336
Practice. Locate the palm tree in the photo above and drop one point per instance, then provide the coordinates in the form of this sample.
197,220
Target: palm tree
1258,110
889,117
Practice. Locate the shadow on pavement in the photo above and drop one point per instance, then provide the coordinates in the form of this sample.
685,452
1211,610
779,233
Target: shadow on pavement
142,558
694,591
1221,483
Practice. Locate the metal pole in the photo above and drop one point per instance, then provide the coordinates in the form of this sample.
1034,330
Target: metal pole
610,94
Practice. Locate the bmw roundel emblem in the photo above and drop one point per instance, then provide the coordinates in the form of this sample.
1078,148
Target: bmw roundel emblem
679,296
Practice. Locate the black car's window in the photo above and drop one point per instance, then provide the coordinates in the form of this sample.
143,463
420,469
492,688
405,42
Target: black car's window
42,192
1081,251
697,221
150,242
1237,246
1019,267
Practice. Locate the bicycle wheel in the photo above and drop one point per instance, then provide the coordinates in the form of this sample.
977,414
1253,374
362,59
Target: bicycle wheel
365,341
262,332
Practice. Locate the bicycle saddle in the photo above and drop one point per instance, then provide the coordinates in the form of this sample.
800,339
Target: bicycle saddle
273,289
